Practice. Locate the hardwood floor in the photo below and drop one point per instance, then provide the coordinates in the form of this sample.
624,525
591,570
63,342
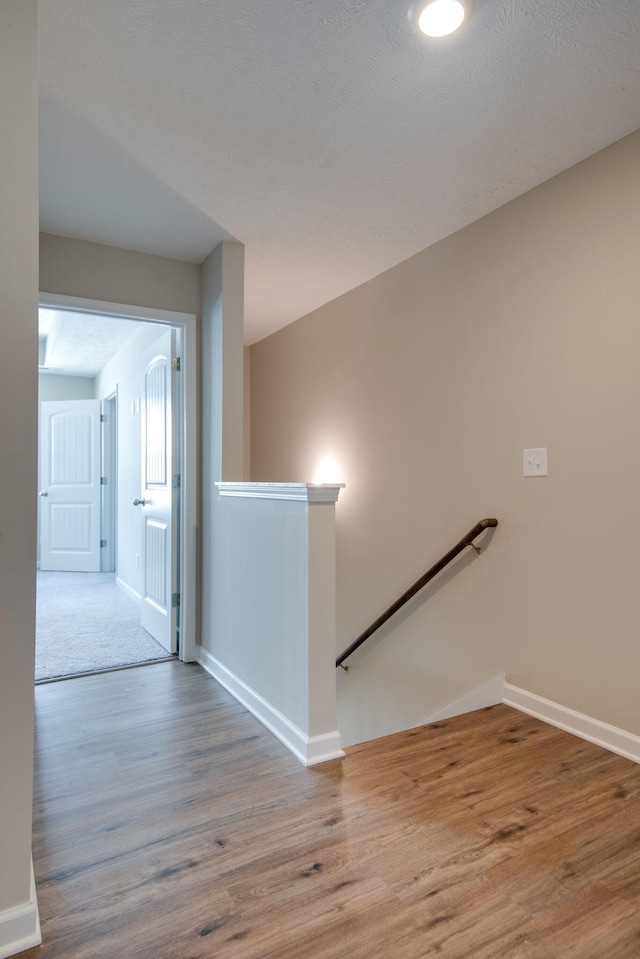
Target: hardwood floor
170,825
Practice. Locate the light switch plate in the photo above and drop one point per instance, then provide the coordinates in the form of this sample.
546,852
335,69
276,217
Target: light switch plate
534,463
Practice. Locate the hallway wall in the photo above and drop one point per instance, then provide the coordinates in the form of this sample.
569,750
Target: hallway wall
18,462
53,387
97,272
424,386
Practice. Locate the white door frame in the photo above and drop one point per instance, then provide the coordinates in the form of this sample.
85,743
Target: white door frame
186,323
110,490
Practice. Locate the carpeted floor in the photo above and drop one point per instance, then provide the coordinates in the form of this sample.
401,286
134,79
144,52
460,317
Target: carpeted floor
85,623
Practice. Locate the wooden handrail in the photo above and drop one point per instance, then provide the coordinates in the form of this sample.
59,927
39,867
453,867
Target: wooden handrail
417,586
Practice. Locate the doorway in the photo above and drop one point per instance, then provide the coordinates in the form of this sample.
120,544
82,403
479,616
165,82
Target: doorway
119,387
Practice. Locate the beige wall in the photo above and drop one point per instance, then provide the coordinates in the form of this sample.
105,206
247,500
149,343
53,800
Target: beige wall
93,271
425,385
18,439
246,399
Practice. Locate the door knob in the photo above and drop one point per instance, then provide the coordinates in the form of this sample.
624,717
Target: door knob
43,492
139,502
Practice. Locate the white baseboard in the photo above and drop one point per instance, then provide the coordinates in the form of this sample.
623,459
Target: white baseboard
20,926
578,724
310,750
488,694
129,590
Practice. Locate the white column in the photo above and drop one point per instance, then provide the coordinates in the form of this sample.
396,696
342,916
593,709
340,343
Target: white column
275,642
222,306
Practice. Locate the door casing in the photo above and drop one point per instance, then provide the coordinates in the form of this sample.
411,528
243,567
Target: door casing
110,486
185,323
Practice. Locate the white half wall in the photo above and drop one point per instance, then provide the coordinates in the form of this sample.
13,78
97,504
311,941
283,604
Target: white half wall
275,615
18,464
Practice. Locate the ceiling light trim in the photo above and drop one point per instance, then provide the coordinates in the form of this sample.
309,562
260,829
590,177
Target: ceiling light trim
454,14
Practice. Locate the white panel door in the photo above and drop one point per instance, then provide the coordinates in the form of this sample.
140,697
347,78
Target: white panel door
158,498
70,486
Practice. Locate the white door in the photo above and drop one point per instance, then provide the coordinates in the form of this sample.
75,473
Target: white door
70,485
158,497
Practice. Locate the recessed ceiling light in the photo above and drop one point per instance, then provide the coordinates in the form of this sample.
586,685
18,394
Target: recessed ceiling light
438,18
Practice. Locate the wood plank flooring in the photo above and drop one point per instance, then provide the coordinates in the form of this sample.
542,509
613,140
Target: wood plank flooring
170,825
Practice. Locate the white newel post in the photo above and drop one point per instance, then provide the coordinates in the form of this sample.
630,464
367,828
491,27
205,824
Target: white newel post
274,644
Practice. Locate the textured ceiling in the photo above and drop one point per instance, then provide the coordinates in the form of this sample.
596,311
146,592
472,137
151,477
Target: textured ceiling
325,135
75,345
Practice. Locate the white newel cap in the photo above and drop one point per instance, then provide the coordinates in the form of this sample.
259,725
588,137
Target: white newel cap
304,492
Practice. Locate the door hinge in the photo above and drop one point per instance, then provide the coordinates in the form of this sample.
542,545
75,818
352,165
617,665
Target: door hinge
103,543
175,600
175,364
175,481
103,418
103,481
